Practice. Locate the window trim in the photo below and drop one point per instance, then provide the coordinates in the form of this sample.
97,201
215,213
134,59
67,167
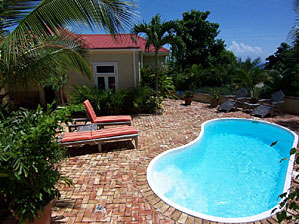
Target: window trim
106,75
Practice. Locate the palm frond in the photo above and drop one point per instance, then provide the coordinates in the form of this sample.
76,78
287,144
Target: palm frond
157,33
295,28
50,16
58,54
13,11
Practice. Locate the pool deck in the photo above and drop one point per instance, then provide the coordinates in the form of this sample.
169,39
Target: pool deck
116,178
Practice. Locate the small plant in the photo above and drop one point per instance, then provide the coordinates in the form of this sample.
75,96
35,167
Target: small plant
29,154
214,97
214,94
290,199
256,95
189,94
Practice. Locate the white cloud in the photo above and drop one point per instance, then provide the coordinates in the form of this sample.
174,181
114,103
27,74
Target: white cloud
241,49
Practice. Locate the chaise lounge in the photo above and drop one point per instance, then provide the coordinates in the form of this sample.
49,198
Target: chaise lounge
99,121
99,136
230,104
276,100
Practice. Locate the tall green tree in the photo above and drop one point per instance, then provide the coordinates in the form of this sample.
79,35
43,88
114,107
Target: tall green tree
295,29
157,34
197,43
286,62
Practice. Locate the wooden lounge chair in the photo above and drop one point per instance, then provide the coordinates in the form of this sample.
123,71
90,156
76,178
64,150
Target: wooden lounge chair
100,121
99,136
230,104
272,107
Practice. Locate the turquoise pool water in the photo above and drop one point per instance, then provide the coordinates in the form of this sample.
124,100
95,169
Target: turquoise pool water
231,171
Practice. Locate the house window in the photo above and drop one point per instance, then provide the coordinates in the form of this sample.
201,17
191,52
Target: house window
106,75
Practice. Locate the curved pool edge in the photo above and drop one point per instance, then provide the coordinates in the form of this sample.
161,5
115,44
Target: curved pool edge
190,212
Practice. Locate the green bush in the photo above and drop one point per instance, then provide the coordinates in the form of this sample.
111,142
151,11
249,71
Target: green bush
29,154
190,79
224,90
124,101
165,82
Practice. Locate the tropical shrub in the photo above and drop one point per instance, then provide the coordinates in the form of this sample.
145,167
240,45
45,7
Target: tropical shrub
165,82
190,79
29,154
250,74
224,90
124,101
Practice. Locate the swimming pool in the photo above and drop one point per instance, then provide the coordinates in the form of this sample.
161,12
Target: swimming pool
229,173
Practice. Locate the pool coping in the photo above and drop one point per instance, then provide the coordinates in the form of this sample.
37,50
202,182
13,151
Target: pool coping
160,200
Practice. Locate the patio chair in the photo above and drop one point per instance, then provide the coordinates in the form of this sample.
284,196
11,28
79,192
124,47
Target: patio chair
99,121
99,136
276,100
230,104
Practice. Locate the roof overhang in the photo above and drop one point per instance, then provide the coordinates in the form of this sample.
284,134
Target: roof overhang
114,49
160,53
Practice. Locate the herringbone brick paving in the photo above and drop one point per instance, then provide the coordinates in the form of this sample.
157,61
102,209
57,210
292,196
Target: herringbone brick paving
116,178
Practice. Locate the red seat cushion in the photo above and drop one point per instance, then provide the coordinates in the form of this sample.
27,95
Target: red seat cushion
111,132
104,119
90,110
76,136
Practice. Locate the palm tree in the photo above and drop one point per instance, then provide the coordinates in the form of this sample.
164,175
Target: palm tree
249,75
157,34
51,16
34,49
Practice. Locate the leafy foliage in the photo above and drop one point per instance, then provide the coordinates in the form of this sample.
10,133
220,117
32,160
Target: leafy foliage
165,82
295,29
157,34
28,159
249,75
196,43
12,12
198,58
285,63
123,101
223,90
40,48
45,20
191,78
216,75
188,94
290,200
47,60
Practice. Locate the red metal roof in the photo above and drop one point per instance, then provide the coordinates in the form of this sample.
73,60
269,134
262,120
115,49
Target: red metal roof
119,41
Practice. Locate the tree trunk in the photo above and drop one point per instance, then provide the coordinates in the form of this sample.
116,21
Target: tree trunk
61,96
156,71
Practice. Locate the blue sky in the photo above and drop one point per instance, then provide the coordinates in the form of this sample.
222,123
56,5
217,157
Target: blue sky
253,28
250,28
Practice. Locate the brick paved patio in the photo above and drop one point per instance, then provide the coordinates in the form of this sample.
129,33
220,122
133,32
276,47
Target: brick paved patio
116,178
